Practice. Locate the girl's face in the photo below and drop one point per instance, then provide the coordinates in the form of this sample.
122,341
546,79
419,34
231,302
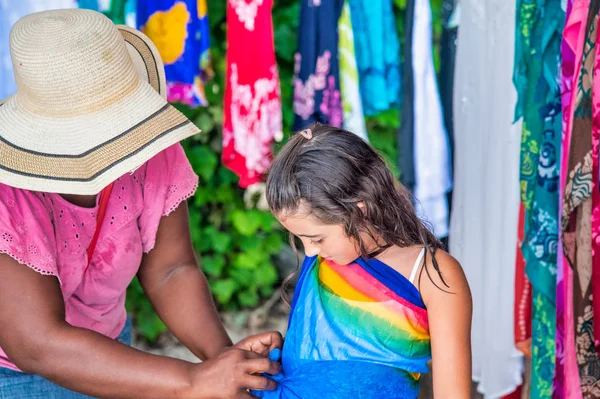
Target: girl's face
326,240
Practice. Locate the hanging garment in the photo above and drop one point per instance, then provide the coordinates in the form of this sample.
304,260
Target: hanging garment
450,19
113,9
577,209
596,199
316,81
522,312
566,380
119,11
406,132
486,189
536,78
558,384
377,54
180,31
432,166
9,14
252,101
355,331
448,60
354,119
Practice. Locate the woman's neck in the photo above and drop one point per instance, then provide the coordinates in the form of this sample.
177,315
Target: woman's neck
84,201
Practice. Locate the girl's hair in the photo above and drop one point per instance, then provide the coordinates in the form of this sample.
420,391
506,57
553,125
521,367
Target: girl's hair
331,171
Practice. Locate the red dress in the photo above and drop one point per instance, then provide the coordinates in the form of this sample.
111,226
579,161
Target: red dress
252,103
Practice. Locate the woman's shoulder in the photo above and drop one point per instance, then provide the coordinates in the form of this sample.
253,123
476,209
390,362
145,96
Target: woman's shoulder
26,229
17,201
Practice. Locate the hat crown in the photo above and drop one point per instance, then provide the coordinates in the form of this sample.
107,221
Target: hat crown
69,62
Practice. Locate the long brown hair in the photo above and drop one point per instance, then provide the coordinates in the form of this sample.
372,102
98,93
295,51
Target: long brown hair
332,172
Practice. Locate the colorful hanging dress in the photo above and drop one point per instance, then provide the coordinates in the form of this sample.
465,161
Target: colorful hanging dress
577,211
536,78
180,31
354,119
355,331
377,54
317,82
566,382
252,101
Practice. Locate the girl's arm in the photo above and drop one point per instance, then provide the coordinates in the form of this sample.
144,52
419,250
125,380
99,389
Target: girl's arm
449,316
36,337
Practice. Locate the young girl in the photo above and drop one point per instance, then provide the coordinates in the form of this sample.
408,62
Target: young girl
376,298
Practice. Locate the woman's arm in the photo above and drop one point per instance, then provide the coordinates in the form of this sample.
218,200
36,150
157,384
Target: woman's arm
36,337
449,316
178,289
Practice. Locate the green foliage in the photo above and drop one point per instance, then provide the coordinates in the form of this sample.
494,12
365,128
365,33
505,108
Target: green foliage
235,244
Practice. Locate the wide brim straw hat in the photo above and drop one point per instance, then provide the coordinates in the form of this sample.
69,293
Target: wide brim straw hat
90,104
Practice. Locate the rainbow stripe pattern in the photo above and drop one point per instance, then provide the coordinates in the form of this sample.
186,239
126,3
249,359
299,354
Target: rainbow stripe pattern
357,330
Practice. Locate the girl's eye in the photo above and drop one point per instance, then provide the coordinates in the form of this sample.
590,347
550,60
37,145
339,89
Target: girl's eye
317,241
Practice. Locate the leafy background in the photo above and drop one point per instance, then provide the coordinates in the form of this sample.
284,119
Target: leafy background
236,244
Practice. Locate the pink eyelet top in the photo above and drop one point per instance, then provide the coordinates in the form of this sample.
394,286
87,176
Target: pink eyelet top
51,236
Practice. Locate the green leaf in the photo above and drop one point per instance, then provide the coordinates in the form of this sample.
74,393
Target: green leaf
216,12
246,222
227,176
221,242
249,297
401,4
249,259
243,277
223,290
266,275
225,193
205,122
196,230
217,240
203,161
267,220
213,265
248,243
217,114
203,196
150,325
274,242
285,42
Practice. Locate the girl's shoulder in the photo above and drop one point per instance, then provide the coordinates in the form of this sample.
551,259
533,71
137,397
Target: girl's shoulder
441,275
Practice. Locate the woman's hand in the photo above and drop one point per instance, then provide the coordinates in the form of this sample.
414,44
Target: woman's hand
230,375
261,343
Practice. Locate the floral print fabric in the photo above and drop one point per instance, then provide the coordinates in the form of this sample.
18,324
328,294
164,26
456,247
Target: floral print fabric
316,81
252,101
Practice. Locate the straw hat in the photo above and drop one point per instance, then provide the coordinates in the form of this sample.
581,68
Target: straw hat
90,104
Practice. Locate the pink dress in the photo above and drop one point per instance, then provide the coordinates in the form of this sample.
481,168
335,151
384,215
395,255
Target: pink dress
51,236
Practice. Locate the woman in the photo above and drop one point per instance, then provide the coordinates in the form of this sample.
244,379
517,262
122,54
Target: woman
87,118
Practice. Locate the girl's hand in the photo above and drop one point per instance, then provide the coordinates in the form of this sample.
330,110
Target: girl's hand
261,343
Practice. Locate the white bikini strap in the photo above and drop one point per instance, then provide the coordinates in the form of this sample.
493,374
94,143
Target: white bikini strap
416,266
